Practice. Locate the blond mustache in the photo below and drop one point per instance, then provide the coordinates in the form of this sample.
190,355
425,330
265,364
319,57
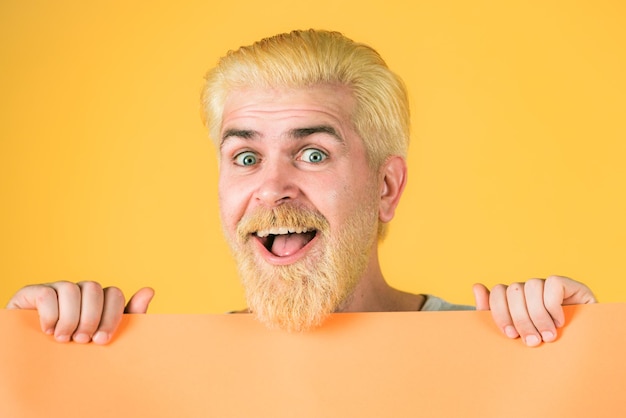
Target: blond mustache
282,216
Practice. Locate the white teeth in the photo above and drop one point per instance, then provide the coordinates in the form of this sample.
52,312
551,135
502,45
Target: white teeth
280,231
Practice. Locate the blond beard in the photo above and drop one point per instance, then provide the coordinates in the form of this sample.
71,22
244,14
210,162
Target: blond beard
301,295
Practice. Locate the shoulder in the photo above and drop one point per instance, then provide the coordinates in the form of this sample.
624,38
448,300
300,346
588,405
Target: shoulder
433,303
245,310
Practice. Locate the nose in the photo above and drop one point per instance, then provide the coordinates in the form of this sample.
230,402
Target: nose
277,184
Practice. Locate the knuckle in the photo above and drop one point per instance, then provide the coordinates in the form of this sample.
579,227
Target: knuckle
540,318
45,293
514,288
535,282
89,323
90,286
534,285
114,294
499,288
555,279
65,283
66,325
524,326
67,287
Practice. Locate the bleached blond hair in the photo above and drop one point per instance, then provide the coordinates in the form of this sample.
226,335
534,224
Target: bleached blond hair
307,58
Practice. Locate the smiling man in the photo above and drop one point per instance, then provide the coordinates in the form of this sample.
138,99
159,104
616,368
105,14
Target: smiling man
300,204
312,131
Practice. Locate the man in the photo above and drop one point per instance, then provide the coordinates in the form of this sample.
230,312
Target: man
312,131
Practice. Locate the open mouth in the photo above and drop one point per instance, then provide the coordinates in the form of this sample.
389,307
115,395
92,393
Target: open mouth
283,242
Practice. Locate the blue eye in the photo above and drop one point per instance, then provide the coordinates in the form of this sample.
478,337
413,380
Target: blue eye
312,155
246,159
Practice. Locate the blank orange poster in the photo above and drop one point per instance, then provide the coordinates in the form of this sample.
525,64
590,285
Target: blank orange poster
431,364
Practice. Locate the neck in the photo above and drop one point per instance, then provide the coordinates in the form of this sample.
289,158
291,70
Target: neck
374,294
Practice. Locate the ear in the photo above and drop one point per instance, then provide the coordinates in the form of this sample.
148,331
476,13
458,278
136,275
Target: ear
393,175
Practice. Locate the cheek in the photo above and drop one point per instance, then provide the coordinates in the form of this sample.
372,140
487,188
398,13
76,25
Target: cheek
339,202
235,195
230,205
361,195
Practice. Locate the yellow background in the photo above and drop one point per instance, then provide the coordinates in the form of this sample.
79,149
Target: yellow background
516,165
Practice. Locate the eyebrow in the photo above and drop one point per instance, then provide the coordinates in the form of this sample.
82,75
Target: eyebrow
297,133
239,133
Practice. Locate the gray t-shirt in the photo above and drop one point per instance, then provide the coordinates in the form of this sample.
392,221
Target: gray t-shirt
433,303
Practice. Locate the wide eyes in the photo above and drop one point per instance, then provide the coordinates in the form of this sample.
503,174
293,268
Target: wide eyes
246,159
313,155
308,155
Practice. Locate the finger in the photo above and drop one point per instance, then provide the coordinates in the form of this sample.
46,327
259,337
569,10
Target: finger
69,300
561,291
500,311
524,326
542,320
139,301
481,296
43,298
565,291
112,311
92,301
574,292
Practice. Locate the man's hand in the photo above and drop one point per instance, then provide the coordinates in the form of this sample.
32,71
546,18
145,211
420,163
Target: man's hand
532,310
81,312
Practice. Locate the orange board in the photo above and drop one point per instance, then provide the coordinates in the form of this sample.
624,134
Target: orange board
435,364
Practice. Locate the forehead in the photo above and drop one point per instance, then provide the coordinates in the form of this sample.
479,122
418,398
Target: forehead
329,104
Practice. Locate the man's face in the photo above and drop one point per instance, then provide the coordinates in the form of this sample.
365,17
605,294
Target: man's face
298,200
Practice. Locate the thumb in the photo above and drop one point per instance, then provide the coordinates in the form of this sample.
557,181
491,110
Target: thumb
139,302
566,291
481,296
559,291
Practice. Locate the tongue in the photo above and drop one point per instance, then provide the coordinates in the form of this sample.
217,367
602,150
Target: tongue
288,244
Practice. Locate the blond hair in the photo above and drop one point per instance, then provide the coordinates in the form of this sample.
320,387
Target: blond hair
311,57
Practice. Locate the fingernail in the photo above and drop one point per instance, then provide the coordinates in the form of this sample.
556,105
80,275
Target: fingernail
100,337
547,335
532,340
62,338
81,338
510,331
